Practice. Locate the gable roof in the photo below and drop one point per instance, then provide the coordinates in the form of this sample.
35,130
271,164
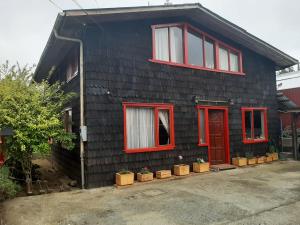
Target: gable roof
67,22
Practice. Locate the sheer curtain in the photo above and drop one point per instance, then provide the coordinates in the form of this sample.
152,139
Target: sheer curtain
176,44
223,54
161,44
209,54
234,62
140,128
164,118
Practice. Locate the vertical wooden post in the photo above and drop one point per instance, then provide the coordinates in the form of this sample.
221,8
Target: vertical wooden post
294,135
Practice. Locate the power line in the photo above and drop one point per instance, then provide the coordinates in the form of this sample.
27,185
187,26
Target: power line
97,3
57,6
91,18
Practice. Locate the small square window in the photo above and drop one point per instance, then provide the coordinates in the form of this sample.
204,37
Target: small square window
254,125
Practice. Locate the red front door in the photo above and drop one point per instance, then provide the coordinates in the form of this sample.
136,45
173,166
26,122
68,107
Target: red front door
217,136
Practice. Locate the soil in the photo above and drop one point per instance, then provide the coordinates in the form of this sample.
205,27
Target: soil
51,179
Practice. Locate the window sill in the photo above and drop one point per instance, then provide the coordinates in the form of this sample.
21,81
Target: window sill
154,149
195,67
203,145
255,141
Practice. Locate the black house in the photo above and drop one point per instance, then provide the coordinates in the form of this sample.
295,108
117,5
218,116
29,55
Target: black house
160,82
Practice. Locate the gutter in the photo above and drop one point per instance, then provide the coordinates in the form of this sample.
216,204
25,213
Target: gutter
83,134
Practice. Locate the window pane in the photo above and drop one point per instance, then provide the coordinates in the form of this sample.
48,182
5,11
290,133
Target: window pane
209,54
202,126
195,49
248,124
258,125
234,62
223,54
176,44
161,44
140,128
68,121
164,127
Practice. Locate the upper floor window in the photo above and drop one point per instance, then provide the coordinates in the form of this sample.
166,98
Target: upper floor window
72,67
254,125
148,127
184,45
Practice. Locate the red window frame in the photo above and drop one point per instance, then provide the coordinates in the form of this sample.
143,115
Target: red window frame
156,107
252,109
185,27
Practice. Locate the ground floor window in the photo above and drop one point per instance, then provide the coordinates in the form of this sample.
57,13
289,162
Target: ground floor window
148,127
254,125
202,126
68,120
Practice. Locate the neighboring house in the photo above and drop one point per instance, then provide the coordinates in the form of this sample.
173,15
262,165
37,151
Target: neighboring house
158,83
288,84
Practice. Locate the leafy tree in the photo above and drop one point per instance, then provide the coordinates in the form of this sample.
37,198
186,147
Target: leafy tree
34,111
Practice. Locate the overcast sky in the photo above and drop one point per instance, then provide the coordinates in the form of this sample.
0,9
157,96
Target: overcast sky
26,24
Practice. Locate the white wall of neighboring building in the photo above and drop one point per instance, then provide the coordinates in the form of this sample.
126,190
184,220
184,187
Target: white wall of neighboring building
288,80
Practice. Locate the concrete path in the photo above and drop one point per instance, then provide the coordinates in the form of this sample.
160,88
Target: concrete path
265,194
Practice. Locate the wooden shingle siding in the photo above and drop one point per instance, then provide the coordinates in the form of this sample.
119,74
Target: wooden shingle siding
117,60
69,161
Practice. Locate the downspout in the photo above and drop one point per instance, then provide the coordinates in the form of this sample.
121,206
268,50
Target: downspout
82,123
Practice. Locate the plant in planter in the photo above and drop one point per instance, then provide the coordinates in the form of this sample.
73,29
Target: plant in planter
124,177
162,174
239,161
144,175
200,166
251,160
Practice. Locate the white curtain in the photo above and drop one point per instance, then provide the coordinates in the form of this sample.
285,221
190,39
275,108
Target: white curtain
161,44
176,44
209,54
140,128
223,54
164,118
234,62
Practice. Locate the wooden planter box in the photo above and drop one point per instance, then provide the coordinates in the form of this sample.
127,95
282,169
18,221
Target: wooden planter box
181,170
200,167
251,161
124,179
239,161
162,174
269,158
260,160
142,177
274,155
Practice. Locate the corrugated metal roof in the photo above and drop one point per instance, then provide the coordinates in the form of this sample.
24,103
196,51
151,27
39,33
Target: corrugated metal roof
285,104
67,23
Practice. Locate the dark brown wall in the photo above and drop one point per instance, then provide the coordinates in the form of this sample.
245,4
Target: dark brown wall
117,60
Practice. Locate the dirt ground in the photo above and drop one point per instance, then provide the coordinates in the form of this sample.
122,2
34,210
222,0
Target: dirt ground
267,194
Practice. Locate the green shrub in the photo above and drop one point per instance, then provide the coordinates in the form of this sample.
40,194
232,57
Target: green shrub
8,188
